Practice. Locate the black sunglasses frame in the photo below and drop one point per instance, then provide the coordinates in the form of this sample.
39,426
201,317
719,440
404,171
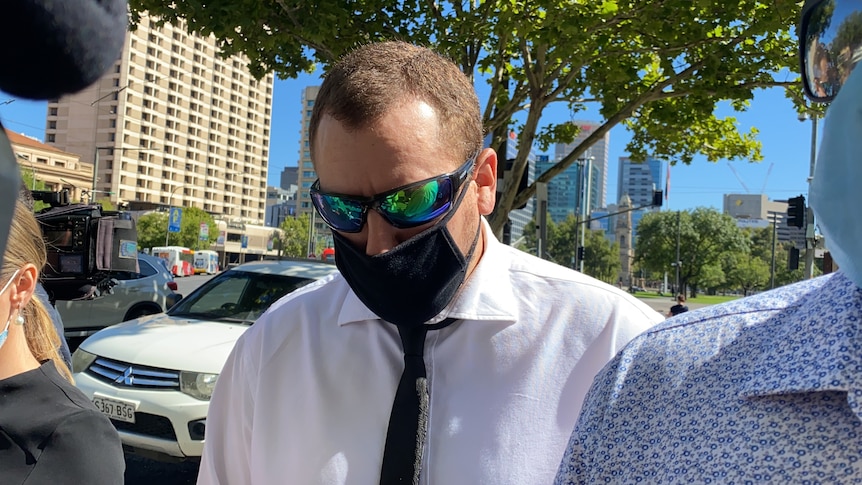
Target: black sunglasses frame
457,178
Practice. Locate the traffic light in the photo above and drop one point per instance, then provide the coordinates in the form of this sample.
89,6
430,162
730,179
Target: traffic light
796,211
793,259
580,253
657,195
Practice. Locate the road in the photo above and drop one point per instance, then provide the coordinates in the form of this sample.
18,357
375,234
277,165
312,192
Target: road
188,284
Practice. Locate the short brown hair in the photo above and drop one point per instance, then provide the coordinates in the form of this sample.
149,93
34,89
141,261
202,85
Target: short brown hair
368,82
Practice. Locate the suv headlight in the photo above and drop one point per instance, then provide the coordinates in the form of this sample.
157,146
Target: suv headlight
198,385
81,360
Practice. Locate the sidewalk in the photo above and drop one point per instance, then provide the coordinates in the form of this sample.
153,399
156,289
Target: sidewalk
663,304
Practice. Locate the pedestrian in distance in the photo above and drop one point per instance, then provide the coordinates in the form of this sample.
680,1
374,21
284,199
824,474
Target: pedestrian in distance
49,431
765,389
680,306
436,355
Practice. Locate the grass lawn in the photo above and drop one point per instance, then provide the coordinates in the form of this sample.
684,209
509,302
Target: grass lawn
702,299
713,299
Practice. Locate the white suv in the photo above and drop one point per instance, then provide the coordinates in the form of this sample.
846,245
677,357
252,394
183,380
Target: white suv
154,376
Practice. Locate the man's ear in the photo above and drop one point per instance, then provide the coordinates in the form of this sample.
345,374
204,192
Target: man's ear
486,181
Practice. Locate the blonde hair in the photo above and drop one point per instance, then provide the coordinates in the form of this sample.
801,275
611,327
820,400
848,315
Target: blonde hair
25,245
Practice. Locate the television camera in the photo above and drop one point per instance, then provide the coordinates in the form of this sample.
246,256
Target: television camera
85,245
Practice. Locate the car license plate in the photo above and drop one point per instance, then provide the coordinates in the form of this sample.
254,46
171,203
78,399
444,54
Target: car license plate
115,408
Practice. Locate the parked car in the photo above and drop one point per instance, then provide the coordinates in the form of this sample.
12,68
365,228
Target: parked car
154,377
150,291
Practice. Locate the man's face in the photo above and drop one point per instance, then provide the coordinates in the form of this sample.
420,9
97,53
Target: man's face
403,147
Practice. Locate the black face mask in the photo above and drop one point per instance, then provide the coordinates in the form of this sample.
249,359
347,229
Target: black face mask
412,282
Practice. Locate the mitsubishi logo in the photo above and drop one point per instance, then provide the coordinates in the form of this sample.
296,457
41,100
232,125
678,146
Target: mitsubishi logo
126,377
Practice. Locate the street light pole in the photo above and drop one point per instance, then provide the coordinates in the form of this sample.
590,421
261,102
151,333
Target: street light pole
810,241
168,228
678,262
586,169
772,270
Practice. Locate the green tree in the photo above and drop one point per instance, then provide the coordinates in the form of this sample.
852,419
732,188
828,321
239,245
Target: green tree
151,229
705,235
190,229
660,68
295,236
601,257
29,179
760,241
749,273
106,204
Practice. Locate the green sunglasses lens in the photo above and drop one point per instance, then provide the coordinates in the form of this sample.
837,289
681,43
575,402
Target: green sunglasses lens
340,212
417,205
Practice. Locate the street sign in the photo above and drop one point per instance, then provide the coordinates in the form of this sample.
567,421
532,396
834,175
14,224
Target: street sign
176,218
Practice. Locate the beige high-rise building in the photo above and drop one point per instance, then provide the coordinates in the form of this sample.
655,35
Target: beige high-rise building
305,175
172,124
322,236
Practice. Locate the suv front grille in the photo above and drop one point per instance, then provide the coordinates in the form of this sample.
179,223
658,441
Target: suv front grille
121,374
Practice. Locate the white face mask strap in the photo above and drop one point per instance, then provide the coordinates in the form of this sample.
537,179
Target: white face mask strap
9,281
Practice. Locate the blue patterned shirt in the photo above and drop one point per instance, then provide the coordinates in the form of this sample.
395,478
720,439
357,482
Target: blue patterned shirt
762,389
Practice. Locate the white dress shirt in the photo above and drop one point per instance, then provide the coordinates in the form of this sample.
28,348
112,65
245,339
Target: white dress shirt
306,394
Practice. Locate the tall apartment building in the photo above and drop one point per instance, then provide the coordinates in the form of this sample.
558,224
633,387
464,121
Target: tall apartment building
598,152
289,176
321,235
639,181
568,189
172,124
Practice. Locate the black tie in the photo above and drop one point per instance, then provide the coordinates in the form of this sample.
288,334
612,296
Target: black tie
408,423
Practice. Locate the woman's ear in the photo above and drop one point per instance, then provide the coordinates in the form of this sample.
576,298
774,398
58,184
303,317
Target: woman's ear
25,285
486,181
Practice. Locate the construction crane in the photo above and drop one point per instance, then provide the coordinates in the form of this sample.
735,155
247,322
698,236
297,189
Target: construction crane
735,174
766,178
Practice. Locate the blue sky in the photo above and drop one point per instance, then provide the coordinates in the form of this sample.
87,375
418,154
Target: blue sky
786,146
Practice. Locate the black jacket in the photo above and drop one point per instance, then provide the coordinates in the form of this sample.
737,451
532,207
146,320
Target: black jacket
50,433
677,309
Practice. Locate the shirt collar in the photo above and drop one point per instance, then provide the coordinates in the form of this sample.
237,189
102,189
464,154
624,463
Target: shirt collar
813,345
486,295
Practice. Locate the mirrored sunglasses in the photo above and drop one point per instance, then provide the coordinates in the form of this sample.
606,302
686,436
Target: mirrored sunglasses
408,206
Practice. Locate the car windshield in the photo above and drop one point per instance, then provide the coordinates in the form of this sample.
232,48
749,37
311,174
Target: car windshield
236,296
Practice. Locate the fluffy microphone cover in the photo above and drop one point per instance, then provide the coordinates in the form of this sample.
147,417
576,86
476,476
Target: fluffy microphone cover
53,47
